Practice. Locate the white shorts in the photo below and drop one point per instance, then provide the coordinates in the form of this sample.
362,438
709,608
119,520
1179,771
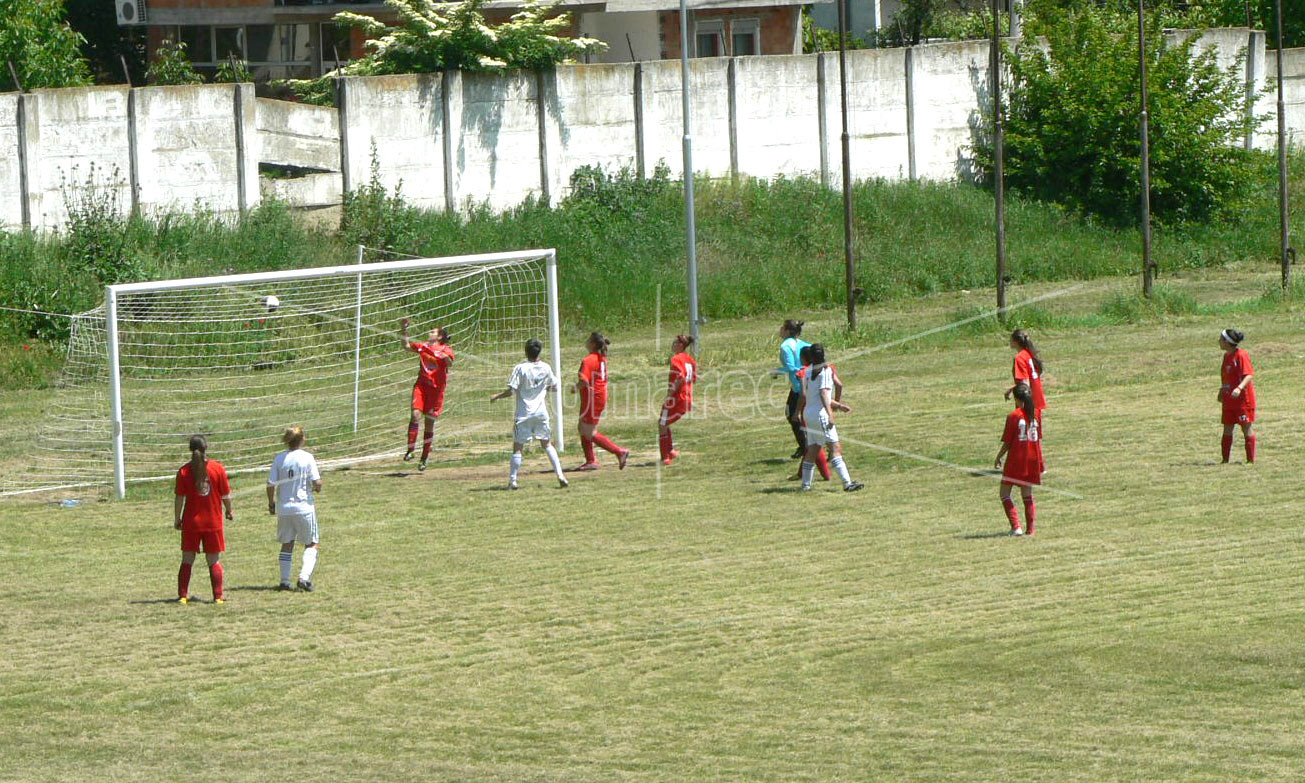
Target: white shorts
532,428
821,432
300,528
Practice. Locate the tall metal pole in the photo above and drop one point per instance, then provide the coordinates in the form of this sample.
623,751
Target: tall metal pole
691,228
1282,165
848,257
1148,268
999,162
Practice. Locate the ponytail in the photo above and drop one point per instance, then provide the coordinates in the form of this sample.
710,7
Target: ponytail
793,327
685,340
1025,398
600,342
293,437
198,462
1022,338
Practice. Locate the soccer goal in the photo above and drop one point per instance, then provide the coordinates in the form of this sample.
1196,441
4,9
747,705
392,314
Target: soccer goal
239,357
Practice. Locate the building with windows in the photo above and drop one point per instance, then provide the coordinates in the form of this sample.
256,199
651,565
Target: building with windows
297,39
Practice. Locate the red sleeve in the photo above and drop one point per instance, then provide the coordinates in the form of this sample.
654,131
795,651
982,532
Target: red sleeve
1023,370
180,488
1012,428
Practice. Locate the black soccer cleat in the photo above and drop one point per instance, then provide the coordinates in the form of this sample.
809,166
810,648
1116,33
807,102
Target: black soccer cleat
305,585
854,486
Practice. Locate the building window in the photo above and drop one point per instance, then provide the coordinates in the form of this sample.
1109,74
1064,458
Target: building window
709,38
745,37
228,42
199,45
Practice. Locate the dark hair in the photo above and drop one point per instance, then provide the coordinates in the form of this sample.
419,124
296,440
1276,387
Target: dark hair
793,326
533,347
685,340
1232,336
599,342
1022,337
198,462
1025,397
444,335
804,355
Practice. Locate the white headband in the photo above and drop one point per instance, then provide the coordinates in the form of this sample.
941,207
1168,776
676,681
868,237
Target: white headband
1227,336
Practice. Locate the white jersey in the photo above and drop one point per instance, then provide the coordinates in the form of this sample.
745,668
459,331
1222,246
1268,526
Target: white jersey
531,381
815,406
293,474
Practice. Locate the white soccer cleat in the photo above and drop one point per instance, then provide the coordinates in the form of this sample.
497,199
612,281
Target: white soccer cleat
563,483
513,485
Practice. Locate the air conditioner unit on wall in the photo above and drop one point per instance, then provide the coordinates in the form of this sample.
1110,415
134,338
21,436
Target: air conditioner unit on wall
130,11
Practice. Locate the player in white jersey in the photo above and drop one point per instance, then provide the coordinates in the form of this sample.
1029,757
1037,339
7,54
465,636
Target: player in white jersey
531,381
818,405
290,486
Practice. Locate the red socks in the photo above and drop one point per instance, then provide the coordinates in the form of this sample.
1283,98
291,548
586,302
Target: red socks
588,445
1250,449
664,440
822,464
1029,512
1227,446
215,575
412,435
1011,513
426,441
605,443
183,580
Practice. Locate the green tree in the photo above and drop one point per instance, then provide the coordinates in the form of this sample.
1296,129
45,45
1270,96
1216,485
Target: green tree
36,38
1072,129
432,37
172,66
233,70
107,43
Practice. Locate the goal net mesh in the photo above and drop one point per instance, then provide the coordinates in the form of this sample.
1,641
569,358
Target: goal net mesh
217,360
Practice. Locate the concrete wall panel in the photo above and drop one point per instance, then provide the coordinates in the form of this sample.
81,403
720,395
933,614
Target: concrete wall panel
82,144
496,147
400,118
297,134
590,110
951,91
778,128
876,89
11,193
664,115
186,142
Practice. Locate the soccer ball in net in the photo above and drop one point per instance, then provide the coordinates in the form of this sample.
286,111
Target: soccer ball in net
271,303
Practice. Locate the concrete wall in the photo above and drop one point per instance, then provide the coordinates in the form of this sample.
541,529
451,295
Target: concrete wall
297,134
1293,87
11,181
400,119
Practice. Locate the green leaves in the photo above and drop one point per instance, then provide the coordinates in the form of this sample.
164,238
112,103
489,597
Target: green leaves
45,51
172,66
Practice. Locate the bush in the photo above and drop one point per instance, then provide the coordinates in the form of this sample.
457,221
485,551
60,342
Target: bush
1072,131
172,66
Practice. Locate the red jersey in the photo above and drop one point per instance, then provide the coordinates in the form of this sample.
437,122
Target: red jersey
1236,366
593,371
1024,459
1026,371
683,368
202,512
435,362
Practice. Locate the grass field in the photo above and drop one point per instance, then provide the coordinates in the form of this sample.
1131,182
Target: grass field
708,622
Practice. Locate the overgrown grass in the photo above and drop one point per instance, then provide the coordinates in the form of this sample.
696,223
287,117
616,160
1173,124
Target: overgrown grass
764,247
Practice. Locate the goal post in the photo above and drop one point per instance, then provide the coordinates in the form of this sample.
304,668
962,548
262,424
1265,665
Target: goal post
238,357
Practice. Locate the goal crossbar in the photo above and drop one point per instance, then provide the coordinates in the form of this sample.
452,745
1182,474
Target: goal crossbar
360,271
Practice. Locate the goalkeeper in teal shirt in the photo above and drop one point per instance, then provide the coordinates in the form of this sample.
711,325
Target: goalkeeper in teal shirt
790,353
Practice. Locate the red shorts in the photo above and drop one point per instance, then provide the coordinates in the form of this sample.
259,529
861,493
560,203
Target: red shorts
211,540
673,411
1238,414
427,398
591,409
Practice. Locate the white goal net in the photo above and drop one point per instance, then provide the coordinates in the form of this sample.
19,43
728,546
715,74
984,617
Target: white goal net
215,356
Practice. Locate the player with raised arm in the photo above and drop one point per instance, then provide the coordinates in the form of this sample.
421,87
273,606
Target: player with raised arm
1021,446
818,405
291,483
679,395
202,495
436,357
531,381
1237,393
1027,369
592,388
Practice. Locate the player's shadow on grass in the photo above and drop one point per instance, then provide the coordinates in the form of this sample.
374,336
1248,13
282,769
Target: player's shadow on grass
795,489
976,536
260,588
146,601
773,461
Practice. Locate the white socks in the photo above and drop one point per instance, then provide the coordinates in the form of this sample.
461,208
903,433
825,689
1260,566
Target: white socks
839,465
516,466
552,457
284,559
808,472
310,562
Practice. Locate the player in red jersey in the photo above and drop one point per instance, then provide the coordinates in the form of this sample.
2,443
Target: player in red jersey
1021,445
202,493
1027,369
1237,392
436,357
679,395
592,388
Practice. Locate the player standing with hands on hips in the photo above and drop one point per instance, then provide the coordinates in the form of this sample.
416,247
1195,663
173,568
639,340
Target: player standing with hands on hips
818,406
290,486
531,381
202,494
428,392
1237,393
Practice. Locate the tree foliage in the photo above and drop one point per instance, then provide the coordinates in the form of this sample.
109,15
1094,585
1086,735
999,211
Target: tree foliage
172,66
107,43
436,36
45,51
1072,130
